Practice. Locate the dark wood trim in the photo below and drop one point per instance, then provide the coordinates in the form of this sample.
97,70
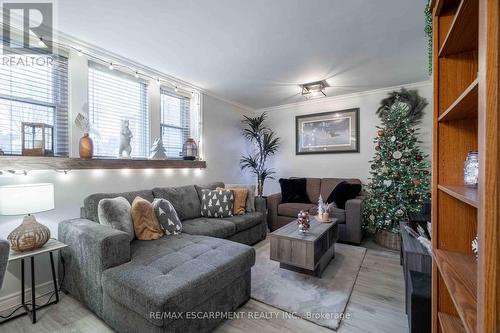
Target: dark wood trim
356,115
66,163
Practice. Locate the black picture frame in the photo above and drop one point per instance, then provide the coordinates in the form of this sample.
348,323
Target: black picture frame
330,116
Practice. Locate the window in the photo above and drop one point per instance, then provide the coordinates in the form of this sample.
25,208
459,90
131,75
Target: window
175,122
33,89
114,97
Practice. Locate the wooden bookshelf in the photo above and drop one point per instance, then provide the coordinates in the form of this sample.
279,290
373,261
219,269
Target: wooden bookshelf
450,324
462,35
459,274
463,193
464,107
466,59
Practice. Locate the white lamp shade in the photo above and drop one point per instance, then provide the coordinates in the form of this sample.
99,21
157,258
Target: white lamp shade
26,199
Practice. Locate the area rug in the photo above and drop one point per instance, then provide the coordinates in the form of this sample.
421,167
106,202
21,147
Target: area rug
319,300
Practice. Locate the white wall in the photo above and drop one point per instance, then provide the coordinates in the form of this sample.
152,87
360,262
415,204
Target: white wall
222,143
349,165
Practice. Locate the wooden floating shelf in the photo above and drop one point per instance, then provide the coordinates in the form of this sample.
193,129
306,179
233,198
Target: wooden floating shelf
469,195
67,163
459,272
465,106
464,30
450,324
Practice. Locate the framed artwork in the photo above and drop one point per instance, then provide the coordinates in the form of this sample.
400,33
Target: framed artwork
327,132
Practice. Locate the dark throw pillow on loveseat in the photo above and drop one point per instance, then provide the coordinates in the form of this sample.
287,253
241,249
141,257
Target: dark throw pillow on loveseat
342,192
293,190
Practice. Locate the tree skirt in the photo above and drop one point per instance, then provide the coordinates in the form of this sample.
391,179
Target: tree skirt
319,300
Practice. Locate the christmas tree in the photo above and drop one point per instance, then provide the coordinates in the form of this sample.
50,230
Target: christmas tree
400,176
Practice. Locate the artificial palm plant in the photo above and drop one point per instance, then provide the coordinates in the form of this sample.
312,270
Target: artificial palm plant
265,145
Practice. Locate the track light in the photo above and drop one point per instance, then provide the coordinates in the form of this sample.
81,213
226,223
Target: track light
80,53
111,66
176,89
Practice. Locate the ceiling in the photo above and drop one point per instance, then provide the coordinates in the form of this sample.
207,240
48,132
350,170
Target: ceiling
256,52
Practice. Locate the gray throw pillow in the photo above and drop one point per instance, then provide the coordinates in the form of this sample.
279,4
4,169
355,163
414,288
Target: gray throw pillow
115,212
167,216
217,203
250,204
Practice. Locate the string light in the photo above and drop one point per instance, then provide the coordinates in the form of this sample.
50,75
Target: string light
112,65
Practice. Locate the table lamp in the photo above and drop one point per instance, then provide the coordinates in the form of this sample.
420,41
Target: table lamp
27,199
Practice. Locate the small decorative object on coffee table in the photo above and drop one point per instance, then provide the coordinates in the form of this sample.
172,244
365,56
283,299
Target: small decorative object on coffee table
303,220
307,253
190,150
27,199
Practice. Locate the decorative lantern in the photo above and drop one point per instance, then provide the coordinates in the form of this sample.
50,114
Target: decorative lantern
471,169
190,150
37,139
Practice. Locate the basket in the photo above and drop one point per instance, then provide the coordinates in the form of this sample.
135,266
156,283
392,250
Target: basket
388,239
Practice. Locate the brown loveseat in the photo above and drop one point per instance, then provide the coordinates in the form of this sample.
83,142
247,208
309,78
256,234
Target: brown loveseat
350,219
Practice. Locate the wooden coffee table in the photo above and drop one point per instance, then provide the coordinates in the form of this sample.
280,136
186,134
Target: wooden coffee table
308,252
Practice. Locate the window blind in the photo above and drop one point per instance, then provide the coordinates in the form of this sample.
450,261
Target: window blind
175,122
114,97
33,89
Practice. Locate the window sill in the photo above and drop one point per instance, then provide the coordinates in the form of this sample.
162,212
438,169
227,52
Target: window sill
65,163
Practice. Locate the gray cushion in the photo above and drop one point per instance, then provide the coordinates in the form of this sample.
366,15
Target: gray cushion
184,199
293,208
250,204
217,203
245,221
115,212
4,256
175,274
220,228
167,216
91,203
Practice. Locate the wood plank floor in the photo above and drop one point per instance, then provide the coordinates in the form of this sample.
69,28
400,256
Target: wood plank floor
376,306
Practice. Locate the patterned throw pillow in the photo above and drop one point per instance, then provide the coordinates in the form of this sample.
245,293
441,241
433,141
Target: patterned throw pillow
240,199
217,203
167,216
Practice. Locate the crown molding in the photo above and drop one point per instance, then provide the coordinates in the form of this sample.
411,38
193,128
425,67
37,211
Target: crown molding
78,43
344,96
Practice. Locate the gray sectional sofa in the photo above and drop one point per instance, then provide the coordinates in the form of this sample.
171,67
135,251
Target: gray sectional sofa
165,285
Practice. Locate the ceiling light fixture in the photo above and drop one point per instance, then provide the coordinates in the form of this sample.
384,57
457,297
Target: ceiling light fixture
111,67
314,89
